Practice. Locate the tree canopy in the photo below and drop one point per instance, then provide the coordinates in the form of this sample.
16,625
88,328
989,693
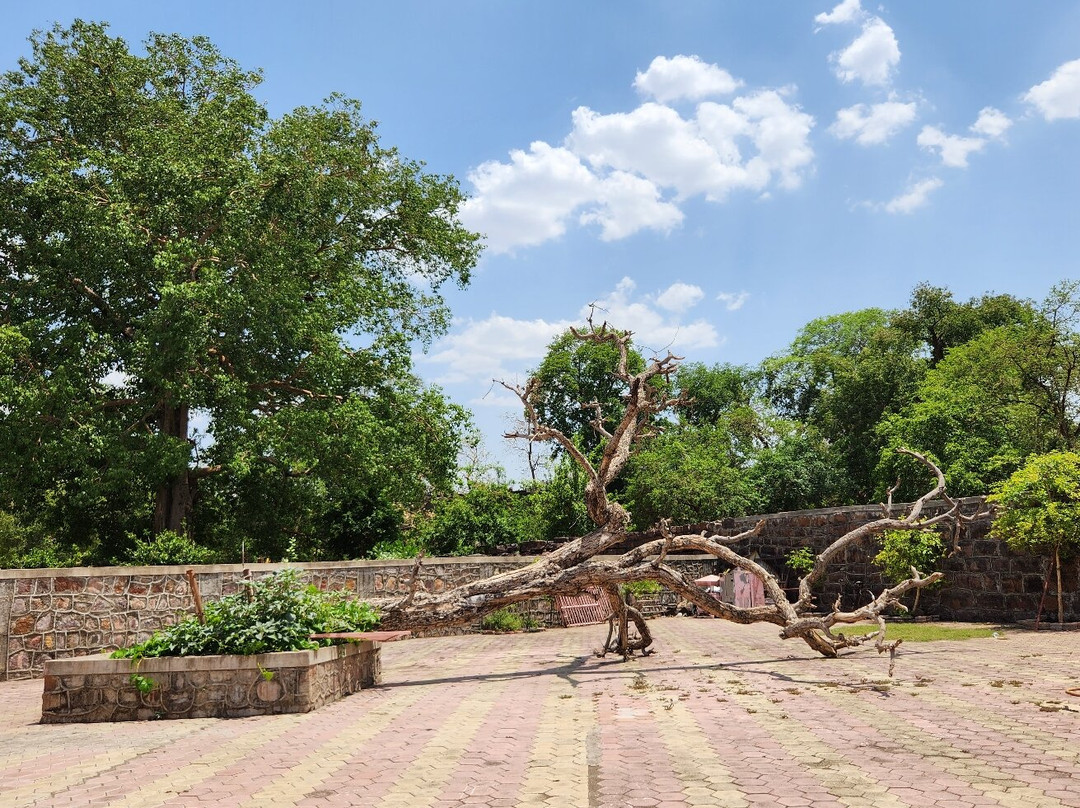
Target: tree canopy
174,256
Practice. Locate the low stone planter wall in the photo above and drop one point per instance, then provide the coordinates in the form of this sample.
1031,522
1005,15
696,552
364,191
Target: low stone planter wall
96,688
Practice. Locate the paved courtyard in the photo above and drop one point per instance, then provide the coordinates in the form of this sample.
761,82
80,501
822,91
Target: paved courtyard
721,715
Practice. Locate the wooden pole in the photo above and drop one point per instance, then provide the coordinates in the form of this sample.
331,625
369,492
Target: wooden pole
194,584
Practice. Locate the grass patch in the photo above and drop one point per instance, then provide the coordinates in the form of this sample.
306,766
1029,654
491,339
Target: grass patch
920,632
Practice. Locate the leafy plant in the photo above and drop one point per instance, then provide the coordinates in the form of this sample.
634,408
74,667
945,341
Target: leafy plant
144,684
903,549
168,547
801,561
1041,509
639,588
276,613
503,620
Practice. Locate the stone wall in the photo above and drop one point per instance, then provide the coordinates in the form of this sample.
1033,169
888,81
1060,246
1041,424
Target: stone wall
985,581
47,614
96,688
58,614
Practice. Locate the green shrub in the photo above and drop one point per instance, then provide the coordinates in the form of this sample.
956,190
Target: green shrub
503,620
24,548
278,615
903,549
164,549
801,561
639,588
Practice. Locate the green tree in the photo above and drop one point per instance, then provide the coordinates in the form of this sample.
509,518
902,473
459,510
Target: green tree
903,549
575,373
172,254
800,470
840,376
1009,392
1040,509
474,521
940,323
688,476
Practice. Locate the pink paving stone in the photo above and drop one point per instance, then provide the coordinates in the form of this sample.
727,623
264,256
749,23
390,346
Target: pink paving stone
629,761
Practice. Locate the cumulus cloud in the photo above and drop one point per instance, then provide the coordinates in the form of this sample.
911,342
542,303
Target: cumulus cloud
652,329
528,200
679,297
993,123
733,301
684,77
953,149
847,11
1058,96
914,197
493,348
501,347
626,203
629,171
871,58
872,124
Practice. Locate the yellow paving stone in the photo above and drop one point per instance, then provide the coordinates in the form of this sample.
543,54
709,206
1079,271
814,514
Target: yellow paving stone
691,752
226,754
844,780
306,774
560,743
58,781
942,754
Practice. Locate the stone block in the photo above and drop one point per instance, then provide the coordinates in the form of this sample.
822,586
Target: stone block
69,584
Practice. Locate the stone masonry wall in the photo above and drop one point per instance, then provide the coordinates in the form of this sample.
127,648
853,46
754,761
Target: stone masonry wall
58,614
54,614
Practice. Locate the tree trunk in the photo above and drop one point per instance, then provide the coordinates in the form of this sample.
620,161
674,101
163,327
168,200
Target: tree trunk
174,497
1060,601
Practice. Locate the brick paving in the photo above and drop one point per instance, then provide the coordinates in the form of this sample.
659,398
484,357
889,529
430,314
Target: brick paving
721,715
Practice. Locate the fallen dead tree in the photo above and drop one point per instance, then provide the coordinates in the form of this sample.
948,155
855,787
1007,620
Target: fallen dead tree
582,562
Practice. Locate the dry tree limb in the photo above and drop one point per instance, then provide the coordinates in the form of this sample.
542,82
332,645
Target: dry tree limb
580,563
414,579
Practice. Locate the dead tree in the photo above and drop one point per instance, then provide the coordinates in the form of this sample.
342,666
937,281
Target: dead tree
582,562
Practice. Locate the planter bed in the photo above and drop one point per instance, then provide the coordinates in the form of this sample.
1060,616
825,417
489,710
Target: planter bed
98,688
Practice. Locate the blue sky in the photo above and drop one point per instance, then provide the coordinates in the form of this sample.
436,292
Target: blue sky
712,174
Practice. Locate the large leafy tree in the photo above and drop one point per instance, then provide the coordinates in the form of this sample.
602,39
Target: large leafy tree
170,254
1008,392
576,386
839,377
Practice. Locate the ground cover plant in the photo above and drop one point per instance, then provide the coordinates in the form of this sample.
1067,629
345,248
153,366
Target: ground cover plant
926,632
275,613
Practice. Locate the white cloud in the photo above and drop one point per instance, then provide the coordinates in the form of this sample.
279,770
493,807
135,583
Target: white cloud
781,134
914,197
501,347
628,171
684,77
1058,96
991,122
653,331
679,297
869,125
627,203
733,301
846,11
652,140
493,348
528,200
871,57
953,149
